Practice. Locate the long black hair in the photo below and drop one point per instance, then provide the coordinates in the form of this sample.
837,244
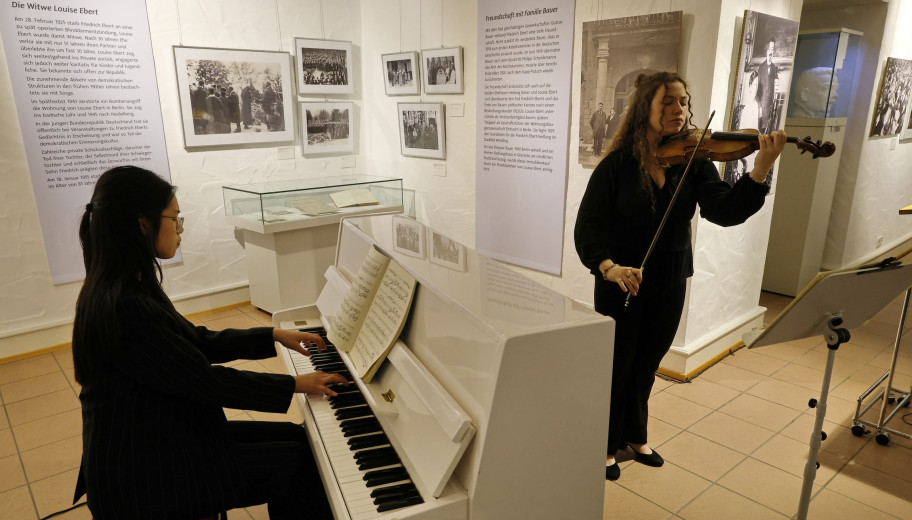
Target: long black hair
119,258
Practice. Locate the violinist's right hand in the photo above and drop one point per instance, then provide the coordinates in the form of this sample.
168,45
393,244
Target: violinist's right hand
627,278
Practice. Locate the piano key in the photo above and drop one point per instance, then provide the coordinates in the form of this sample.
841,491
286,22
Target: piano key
389,506
391,489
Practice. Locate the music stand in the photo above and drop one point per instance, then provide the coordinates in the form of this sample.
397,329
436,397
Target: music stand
833,302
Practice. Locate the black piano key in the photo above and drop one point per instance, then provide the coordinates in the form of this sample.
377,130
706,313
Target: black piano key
361,421
367,441
389,506
385,476
363,430
352,412
392,490
378,463
374,453
398,496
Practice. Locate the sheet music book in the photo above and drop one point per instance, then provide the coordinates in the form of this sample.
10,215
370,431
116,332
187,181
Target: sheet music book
373,312
349,198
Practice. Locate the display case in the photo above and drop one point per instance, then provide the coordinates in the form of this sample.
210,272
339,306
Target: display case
824,78
290,228
271,207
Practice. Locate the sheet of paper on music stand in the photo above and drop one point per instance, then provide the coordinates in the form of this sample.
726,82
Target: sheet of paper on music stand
349,198
856,295
313,206
373,312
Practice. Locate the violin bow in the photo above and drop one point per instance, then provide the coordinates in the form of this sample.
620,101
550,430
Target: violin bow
674,197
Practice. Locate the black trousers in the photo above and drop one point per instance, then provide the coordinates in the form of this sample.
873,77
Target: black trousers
643,334
279,470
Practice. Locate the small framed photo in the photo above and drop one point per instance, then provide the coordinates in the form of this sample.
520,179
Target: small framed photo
422,130
408,237
400,73
327,128
234,97
447,252
442,70
323,66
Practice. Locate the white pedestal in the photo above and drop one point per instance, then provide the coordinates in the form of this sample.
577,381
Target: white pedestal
801,208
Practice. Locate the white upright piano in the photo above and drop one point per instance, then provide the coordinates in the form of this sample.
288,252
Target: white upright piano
493,404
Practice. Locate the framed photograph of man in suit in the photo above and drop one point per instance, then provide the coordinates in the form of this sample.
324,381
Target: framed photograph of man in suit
401,74
422,130
234,97
442,70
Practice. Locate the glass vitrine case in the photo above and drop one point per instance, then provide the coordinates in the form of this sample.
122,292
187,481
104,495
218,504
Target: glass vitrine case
824,74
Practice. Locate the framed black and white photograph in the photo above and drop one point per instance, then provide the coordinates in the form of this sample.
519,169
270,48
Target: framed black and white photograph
400,73
234,97
615,51
442,70
907,131
890,112
447,252
766,58
323,66
409,237
422,130
327,128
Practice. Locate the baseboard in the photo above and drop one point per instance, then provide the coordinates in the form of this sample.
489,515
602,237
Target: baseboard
37,342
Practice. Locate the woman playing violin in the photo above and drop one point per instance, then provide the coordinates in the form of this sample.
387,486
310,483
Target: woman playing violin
625,200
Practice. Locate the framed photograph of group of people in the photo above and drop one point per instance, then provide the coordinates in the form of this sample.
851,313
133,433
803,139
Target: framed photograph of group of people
410,238
442,72
422,130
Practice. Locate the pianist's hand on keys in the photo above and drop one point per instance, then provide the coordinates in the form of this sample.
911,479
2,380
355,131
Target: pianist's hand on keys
315,382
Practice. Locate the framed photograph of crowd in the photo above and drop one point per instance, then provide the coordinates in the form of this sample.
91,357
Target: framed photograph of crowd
890,114
614,52
400,73
409,237
234,97
327,128
422,130
765,61
442,70
447,252
323,66
907,131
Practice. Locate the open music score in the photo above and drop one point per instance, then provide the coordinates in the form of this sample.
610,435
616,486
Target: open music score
373,312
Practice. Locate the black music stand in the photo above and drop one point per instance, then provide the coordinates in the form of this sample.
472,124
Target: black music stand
833,302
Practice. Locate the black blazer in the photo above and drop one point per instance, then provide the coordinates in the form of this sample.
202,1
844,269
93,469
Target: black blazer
154,435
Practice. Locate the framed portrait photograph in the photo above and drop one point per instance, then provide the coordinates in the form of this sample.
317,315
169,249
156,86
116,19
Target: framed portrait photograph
409,237
422,131
447,252
323,66
234,97
400,73
327,128
442,70
890,111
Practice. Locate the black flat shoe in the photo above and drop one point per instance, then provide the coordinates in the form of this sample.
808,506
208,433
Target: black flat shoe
653,459
612,472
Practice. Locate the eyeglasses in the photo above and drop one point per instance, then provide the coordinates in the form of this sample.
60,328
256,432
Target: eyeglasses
179,222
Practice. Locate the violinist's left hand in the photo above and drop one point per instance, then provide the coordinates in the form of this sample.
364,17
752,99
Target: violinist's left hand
297,340
770,147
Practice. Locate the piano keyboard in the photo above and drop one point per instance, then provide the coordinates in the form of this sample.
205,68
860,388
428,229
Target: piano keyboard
370,475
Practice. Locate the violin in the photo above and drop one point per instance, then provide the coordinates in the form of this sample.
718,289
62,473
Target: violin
727,146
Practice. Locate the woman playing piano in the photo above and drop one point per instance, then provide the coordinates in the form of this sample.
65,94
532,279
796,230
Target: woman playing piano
156,443
619,214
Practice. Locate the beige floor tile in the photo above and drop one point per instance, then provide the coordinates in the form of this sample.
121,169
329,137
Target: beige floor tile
832,506
26,368
783,351
42,406
731,432
863,338
892,460
661,385
7,444
790,455
11,475
718,503
751,360
214,315
259,512
4,422
660,431
786,394
71,377
81,513
874,488
760,412
816,358
50,429
884,360
840,411
854,353
765,484
33,386
64,357
293,415
670,487
274,365
839,441
807,377
675,410
851,389
867,374
701,456
731,376
52,459
704,392
809,342
55,493
16,504
620,502
882,328
237,321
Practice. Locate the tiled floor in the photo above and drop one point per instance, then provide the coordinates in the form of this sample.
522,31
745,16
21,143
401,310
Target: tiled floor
735,439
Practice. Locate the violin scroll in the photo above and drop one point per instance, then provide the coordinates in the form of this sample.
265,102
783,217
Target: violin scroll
816,148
